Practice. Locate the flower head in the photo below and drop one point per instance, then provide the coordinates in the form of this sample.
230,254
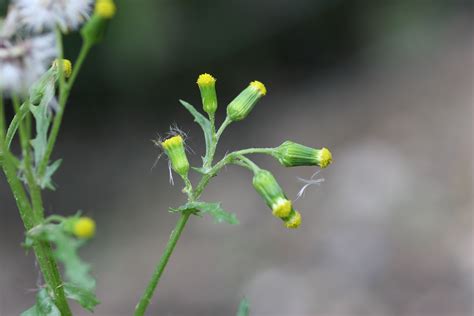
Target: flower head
174,149
207,86
24,61
66,66
293,220
105,9
39,15
269,189
291,154
243,104
84,227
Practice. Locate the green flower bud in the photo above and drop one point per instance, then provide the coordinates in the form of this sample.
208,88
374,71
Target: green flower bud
293,220
174,149
269,189
291,154
241,106
207,86
81,227
93,31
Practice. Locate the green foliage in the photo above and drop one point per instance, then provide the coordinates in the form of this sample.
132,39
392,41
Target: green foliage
243,308
213,209
205,125
86,298
67,246
44,306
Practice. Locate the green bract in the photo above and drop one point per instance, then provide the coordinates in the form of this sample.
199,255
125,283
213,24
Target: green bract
243,104
291,154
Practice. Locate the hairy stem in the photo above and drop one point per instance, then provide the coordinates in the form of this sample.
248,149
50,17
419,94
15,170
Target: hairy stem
148,294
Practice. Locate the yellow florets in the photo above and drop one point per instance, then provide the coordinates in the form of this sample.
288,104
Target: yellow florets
325,157
294,221
259,86
282,208
172,141
105,8
67,66
206,80
84,227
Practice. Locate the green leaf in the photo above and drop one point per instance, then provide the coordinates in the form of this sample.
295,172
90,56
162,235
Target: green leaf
44,306
213,209
243,308
86,298
15,123
46,181
67,246
42,117
203,122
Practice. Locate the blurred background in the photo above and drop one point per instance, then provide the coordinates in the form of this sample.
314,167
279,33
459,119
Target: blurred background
386,85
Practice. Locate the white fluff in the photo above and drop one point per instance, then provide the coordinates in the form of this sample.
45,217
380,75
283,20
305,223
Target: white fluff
22,62
308,182
40,15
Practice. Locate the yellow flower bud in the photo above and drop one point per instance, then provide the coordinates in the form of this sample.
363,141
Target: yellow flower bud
66,65
294,220
207,86
291,154
105,9
243,104
269,189
84,227
174,149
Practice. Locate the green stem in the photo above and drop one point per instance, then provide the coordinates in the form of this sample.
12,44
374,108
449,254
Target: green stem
148,294
64,91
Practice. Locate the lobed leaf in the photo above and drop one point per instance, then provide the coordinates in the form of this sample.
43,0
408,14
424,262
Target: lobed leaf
202,121
243,308
44,306
86,298
213,209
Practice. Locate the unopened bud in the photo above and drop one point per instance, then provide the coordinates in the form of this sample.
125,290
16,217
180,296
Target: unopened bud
291,154
293,220
82,227
174,149
243,104
269,189
207,86
66,66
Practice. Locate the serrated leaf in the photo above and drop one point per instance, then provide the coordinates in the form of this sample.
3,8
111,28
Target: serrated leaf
44,306
46,181
243,308
213,209
86,298
202,121
76,270
43,119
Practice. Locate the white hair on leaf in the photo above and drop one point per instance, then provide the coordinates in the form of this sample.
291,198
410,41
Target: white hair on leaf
308,182
22,62
40,15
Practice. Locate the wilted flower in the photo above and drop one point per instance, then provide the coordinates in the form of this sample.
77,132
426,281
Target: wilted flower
39,15
24,61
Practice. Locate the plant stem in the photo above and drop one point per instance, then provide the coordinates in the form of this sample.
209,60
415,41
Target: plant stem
65,89
148,294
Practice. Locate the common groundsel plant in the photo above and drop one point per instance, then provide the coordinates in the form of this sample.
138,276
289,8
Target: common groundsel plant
288,154
36,80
